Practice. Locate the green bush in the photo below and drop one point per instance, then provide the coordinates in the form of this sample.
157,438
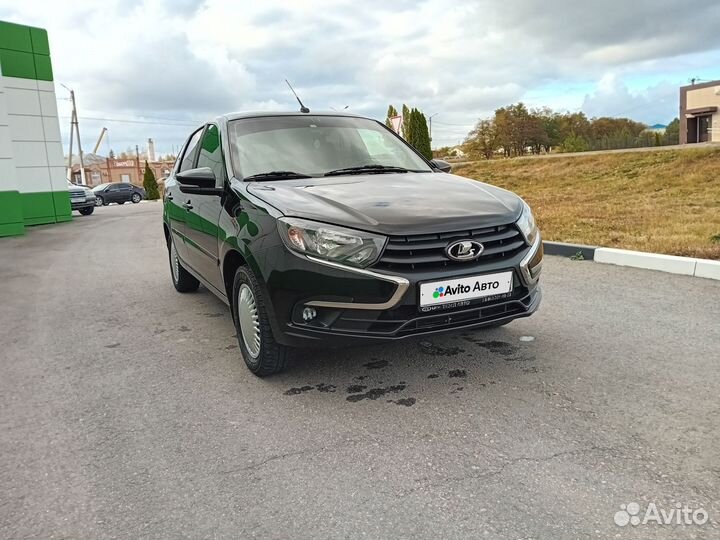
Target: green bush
152,192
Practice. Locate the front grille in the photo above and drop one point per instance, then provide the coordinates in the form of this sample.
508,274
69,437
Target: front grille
427,251
407,320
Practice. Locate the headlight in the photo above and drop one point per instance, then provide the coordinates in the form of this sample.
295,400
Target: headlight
527,224
331,242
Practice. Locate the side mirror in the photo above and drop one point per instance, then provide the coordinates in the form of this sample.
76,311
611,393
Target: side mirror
441,165
202,177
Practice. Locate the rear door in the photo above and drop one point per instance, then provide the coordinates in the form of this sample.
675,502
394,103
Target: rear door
202,218
175,202
125,192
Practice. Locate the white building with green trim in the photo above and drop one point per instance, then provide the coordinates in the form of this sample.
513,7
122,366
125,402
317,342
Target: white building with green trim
33,185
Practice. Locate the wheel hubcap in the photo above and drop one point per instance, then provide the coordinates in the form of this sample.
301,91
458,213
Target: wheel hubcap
174,263
249,320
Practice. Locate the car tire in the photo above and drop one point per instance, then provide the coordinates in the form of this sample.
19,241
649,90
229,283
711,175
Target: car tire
99,201
263,355
136,198
87,211
183,280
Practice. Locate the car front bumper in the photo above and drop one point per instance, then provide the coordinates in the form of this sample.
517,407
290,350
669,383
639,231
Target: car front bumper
360,305
78,204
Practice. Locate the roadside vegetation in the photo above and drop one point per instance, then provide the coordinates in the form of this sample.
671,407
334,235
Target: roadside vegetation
515,130
663,202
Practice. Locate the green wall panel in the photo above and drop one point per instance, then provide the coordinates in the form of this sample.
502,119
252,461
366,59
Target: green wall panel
11,218
43,68
16,37
17,64
38,208
39,38
63,210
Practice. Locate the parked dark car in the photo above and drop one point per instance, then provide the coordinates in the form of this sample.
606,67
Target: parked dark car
118,192
329,229
82,199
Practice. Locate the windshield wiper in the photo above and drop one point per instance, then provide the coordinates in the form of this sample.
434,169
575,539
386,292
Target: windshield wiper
367,169
276,175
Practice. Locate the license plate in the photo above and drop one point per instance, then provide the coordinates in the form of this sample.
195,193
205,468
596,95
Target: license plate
467,288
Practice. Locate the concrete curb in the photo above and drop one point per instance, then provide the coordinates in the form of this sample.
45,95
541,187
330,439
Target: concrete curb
569,250
686,266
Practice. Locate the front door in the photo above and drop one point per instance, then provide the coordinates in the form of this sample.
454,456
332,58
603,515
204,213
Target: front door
202,219
175,202
704,125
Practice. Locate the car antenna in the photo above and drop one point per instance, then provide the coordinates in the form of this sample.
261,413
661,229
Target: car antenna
303,108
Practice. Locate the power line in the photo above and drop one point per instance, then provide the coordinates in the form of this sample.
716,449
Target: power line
178,123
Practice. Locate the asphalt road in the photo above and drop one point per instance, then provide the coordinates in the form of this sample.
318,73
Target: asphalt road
126,412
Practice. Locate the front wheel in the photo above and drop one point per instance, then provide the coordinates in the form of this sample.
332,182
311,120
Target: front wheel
136,198
87,211
183,280
99,201
262,354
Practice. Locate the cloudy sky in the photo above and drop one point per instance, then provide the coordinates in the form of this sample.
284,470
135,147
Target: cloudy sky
154,68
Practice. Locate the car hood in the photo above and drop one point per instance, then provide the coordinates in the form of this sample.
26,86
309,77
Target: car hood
403,203
78,189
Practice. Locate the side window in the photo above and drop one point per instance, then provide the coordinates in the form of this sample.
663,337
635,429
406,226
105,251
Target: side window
211,152
190,151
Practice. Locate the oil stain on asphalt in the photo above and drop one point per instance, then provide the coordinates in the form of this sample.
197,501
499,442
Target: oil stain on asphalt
436,350
375,393
376,364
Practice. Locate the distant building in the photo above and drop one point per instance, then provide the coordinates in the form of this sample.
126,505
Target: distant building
699,116
100,170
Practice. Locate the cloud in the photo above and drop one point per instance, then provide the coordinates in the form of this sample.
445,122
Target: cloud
655,104
192,59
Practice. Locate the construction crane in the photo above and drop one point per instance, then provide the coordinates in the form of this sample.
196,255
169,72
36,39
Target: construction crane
100,138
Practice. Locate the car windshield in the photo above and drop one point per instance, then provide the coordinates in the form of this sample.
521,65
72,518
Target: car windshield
316,145
100,187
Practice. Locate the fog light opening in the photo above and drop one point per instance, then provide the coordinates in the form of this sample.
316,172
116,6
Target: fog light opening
308,313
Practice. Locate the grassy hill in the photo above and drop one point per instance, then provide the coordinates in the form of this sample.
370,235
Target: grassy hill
663,202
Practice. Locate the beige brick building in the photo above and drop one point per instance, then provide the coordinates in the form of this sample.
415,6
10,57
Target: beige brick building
700,113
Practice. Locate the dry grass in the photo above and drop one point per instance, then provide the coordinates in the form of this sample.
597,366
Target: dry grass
663,202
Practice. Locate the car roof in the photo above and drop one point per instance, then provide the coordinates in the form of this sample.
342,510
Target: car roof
259,114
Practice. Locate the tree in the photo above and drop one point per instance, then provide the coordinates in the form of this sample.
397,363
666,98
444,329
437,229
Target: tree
392,111
574,143
150,184
423,142
405,122
672,132
483,139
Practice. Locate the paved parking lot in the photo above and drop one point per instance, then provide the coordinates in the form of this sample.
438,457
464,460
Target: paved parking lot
125,410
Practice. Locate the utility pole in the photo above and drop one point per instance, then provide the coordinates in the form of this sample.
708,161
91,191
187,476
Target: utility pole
137,155
430,127
77,132
72,125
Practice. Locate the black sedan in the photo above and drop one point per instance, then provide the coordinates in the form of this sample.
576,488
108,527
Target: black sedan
118,192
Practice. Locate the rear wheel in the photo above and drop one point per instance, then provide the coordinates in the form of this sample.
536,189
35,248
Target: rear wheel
183,280
136,198
87,211
262,354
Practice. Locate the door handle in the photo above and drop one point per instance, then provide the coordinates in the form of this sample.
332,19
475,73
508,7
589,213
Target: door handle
187,206
169,198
